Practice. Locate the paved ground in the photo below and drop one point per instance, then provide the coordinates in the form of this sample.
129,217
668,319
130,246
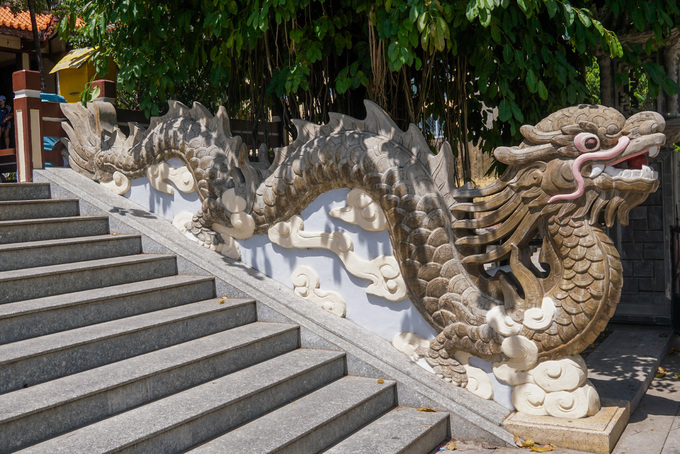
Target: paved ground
654,428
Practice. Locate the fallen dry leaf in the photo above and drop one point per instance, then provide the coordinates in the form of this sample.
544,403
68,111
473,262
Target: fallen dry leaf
544,448
527,443
518,441
222,302
381,381
660,372
432,410
450,446
663,335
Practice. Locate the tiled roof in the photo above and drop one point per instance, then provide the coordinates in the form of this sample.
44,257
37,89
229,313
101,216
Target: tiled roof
21,23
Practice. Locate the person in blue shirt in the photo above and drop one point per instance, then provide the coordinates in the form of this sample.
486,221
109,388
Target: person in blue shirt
6,116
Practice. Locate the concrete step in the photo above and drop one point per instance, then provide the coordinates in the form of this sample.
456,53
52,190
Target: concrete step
52,228
37,317
183,420
38,209
18,285
29,416
313,422
31,254
32,361
24,191
401,431
628,379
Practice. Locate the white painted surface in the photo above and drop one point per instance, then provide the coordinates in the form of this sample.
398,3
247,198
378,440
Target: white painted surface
380,316
165,205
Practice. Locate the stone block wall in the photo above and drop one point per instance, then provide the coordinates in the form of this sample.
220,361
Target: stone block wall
644,245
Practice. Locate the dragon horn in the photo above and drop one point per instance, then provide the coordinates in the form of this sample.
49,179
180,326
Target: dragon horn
517,156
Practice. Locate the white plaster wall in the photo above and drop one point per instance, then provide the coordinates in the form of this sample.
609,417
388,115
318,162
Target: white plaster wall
383,317
165,205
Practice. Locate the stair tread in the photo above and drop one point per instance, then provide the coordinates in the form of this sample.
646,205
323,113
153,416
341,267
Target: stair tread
139,424
46,303
20,222
36,202
51,270
42,345
72,387
25,191
79,240
291,422
394,431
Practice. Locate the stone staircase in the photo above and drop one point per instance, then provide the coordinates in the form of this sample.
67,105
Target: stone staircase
105,348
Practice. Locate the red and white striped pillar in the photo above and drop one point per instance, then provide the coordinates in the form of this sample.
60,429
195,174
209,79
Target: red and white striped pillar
27,118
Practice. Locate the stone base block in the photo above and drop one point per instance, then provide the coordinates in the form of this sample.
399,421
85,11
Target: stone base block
597,433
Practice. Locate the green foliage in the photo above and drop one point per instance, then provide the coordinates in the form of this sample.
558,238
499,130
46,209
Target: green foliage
453,61
593,82
89,93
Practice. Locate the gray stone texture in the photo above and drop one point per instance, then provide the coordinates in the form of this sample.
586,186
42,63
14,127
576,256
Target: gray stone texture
37,209
416,432
50,409
623,366
41,316
313,422
644,248
67,250
204,411
25,191
56,279
37,360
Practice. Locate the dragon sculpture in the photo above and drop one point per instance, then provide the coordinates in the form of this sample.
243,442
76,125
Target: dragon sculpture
575,172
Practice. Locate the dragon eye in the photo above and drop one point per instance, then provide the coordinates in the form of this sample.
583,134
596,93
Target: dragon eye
586,142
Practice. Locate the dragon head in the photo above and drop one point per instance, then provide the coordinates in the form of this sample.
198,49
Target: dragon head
579,162
592,159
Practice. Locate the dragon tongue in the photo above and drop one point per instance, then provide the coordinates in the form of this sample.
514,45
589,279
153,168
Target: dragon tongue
636,162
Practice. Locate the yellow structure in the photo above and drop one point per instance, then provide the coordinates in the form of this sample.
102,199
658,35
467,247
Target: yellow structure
74,71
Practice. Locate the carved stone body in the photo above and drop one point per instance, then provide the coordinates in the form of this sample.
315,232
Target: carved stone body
561,185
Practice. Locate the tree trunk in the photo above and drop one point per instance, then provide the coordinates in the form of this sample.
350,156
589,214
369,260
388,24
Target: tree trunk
36,40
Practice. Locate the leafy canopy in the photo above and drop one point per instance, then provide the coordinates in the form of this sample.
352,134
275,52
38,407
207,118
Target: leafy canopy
441,64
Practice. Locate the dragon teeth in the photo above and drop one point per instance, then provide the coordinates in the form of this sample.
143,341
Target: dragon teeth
613,171
645,172
653,151
597,169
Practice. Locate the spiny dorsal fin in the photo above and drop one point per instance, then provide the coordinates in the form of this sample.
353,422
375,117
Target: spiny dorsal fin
200,114
280,153
341,122
306,131
175,109
137,134
414,141
220,122
442,167
378,122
